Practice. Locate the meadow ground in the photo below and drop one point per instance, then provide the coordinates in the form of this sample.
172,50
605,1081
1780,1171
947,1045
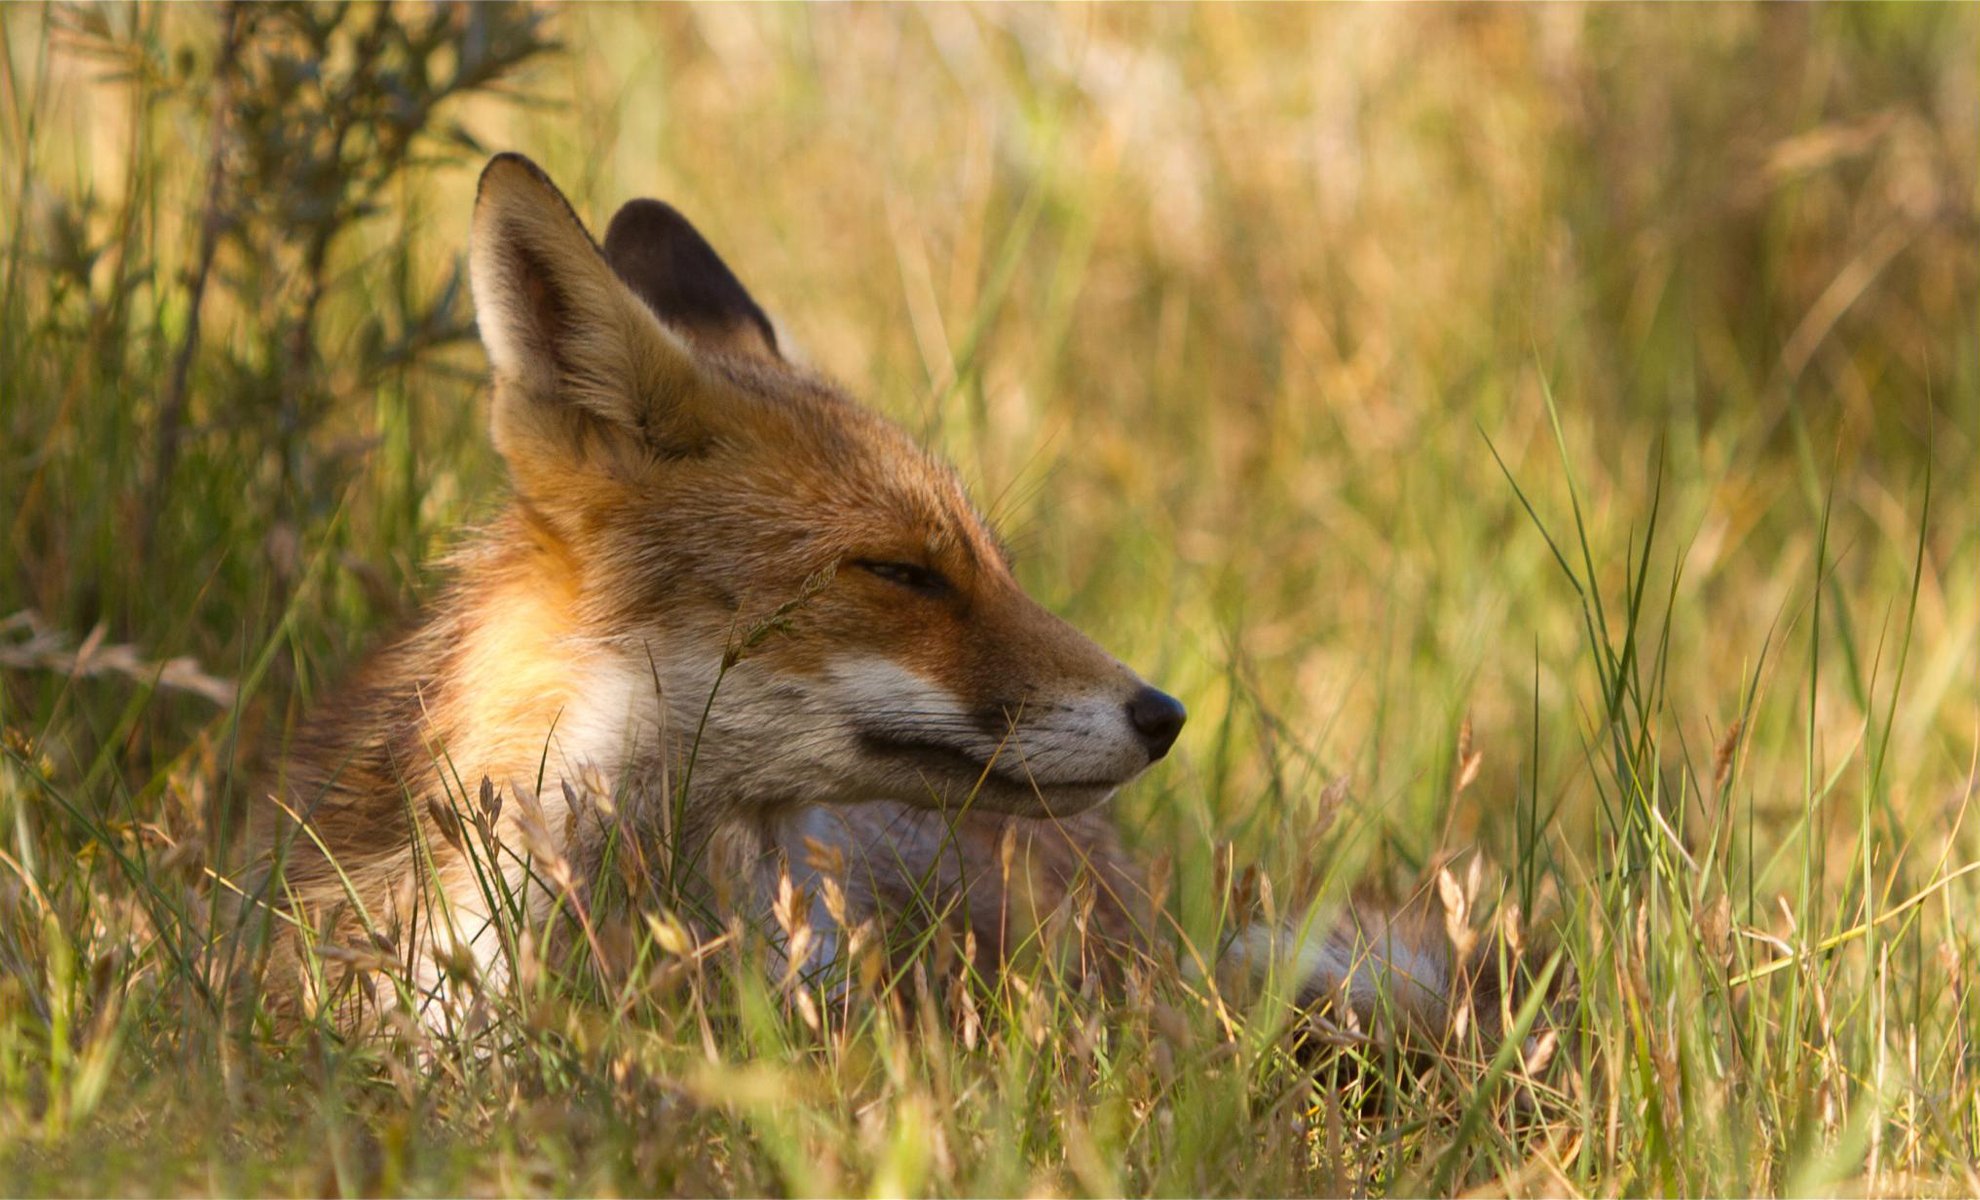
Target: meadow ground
1539,436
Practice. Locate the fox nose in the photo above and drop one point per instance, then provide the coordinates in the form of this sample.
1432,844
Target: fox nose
1157,717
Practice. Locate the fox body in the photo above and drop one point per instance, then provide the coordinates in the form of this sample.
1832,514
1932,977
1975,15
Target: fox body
726,605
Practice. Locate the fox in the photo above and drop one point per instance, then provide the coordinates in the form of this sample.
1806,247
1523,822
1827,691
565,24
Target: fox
728,608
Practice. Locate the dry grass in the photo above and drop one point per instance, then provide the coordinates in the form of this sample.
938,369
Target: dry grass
1526,415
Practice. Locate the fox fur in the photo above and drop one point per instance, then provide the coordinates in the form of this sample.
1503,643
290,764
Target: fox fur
729,609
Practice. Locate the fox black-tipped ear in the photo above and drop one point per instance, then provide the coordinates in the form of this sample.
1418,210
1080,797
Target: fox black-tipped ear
678,275
579,363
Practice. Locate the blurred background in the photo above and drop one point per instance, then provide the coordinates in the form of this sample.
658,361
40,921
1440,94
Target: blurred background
1259,329
1550,430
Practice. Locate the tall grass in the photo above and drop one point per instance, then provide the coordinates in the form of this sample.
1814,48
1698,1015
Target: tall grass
1534,438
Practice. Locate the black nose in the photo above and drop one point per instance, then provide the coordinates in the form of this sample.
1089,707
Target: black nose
1158,717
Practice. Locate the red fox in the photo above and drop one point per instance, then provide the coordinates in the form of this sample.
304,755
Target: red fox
732,609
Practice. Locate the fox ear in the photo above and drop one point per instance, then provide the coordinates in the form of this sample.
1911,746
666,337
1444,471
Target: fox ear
680,278
581,367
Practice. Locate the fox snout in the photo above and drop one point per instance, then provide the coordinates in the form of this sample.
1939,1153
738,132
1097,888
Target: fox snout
1060,749
1158,718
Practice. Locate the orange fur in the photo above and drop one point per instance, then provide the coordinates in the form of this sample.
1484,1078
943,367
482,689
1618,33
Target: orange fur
729,612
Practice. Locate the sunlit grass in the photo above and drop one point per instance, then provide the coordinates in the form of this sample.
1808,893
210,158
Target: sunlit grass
1592,392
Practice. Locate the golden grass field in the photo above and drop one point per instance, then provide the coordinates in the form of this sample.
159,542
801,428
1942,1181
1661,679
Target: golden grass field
1537,437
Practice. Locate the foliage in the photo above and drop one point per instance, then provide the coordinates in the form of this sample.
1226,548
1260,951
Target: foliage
1535,437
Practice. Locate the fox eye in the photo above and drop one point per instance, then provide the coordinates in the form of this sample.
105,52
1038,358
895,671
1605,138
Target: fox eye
926,580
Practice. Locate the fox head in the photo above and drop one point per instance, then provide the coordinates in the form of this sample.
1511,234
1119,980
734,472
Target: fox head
766,579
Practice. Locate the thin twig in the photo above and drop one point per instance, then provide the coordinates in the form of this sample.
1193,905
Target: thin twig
213,221
45,649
